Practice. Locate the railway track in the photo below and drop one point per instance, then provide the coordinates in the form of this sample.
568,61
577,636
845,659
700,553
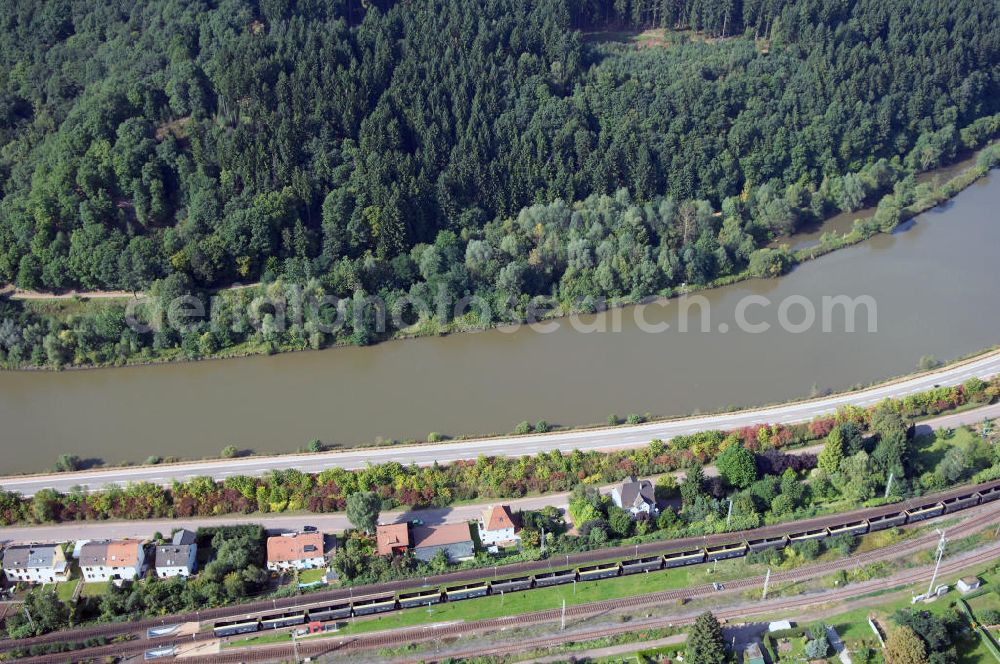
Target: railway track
527,645
137,629
980,518
654,599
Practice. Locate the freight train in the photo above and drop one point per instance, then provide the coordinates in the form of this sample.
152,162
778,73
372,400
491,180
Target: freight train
882,518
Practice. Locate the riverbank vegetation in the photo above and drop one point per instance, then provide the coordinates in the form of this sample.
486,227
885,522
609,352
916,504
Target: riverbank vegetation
212,149
489,478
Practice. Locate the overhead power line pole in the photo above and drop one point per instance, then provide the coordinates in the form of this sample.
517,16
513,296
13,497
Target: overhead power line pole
937,566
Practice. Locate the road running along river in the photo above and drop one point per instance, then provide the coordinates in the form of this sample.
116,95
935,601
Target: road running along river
934,284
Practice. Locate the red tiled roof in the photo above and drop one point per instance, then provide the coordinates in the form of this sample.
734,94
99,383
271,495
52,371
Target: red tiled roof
498,517
110,553
390,537
451,533
286,548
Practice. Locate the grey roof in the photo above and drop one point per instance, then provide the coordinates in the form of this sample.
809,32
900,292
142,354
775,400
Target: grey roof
634,491
173,555
29,556
183,537
94,553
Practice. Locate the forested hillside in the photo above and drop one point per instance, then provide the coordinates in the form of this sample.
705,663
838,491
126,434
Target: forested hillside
497,147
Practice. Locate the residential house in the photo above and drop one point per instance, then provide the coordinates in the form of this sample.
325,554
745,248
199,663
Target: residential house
179,558
115,560
635,496
392,538
497,526
295,551
35,563
454,539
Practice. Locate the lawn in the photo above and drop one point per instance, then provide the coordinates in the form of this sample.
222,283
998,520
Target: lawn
931,448
797,653
855,631
973,650
311,575
988,600
95,589
64,591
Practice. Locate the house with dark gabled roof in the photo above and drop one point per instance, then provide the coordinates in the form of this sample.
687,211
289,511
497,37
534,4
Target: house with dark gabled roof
635,496
179,557
35,563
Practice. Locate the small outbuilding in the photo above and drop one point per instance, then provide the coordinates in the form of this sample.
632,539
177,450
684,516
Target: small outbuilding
968,583
779,626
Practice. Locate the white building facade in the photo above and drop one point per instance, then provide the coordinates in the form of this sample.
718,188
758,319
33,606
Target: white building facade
496,526
179,558
112,560
35,563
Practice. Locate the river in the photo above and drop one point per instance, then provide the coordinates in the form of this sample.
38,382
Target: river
934,284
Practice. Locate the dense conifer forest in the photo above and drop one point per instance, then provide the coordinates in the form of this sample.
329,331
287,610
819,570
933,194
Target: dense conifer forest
503,148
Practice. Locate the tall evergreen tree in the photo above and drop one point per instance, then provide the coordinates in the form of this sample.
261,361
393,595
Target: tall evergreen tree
705,644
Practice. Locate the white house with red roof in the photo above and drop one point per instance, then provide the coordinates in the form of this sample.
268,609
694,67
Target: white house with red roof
497,526
295,551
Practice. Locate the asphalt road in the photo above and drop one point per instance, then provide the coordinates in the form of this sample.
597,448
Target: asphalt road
985,366
65,532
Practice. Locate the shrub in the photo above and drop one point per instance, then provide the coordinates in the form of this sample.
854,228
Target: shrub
816,649
67,463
